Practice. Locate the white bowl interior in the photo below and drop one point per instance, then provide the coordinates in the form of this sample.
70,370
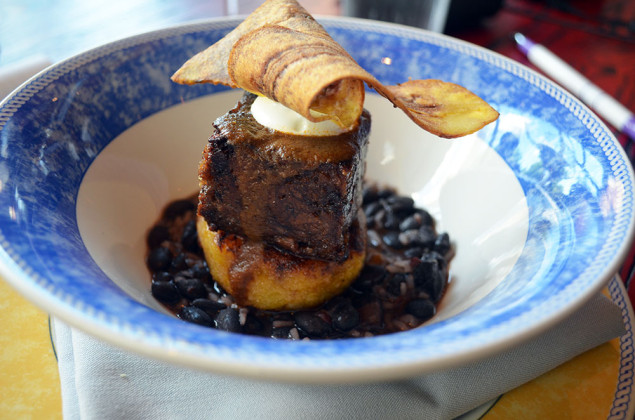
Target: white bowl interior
467,187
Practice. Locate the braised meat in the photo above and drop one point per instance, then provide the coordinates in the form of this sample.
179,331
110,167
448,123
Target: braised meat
299,194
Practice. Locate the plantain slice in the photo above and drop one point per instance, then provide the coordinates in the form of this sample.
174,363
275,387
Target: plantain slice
281,52
210,65
301,71
442,108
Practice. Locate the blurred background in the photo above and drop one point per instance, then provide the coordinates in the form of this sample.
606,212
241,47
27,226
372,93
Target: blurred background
58,29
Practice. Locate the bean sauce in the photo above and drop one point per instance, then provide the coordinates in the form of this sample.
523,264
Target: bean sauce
399,288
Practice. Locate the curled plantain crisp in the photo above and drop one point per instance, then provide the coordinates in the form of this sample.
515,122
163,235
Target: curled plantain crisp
281,52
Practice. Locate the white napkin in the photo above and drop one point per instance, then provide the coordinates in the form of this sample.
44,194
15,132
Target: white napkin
104,382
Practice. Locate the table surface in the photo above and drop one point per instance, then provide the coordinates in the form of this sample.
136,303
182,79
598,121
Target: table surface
595,37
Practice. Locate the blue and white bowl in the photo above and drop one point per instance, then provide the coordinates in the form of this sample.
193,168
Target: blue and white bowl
539,203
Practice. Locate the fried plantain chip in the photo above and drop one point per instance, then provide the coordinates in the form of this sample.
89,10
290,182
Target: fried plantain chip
301,71
210,65
281,52
445,109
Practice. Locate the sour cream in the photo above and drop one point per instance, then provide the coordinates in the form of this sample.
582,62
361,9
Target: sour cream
276,116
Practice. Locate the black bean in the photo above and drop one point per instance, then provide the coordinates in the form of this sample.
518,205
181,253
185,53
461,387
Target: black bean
281,332
200,271
394,283
422,237
426,218
228,320
196,315
385,193
390,221
413,252
401,205
192,260
361,285
378,218
411,222
374,274
311,324
428,277
343,314
373,238
372,209
442,244
190,288
423,268
165,291
159,259
157,235
400,200
426,237
178,208
254,325
392,240
178,262
369,195
211,307
345,317
409,238
443,263
162,276
423,309
189,238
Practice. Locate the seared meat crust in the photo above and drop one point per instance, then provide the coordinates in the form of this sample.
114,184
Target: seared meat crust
299,194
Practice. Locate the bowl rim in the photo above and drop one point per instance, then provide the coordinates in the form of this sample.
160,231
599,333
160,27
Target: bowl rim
17,273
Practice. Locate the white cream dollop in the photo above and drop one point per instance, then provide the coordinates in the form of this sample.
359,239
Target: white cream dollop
278,117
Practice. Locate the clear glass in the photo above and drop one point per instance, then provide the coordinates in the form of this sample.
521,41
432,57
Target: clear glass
427,14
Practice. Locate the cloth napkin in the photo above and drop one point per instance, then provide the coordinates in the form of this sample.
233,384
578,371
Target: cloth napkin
99,381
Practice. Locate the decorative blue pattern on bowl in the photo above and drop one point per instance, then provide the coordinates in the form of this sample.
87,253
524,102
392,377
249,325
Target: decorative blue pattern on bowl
578,184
